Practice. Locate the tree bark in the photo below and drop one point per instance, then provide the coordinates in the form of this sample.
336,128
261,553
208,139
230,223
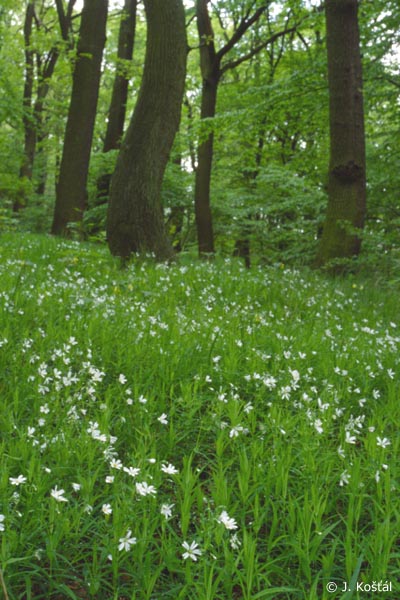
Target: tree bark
135,221
205,152
71,187
117,110
211,73
347,170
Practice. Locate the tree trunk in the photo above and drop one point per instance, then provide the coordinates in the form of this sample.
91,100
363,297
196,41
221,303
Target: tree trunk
28,120
347,174
33,117
135,221
44,76
210,71
71,188
205,235
117,111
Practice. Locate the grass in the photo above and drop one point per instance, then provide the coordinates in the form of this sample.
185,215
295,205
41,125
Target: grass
194,431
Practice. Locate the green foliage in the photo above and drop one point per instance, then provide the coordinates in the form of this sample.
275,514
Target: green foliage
271,138
279,212
151,416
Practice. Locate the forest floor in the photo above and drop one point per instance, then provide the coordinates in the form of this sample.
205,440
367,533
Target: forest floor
194,431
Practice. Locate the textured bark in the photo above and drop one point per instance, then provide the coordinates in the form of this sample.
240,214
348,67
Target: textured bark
135,221
117,111
347,175
71,187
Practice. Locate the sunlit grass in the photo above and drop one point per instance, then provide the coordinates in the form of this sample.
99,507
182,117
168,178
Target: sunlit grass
193,431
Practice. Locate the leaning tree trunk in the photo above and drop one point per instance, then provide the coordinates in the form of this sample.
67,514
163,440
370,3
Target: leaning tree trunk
347,181
117,111
135,221
71,187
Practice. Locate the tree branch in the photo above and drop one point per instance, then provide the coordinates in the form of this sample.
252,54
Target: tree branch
235,63
244,25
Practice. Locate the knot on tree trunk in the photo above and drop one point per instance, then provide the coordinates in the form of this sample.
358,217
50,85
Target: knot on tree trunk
349,172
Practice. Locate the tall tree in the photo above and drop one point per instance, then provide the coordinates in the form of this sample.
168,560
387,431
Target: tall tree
119,97
28,121
39,68
212,70
71,191
347,172
135,218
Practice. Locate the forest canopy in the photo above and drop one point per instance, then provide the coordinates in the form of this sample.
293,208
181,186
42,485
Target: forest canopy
248,172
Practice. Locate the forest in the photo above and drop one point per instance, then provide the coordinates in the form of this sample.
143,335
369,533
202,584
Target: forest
252,148
199,279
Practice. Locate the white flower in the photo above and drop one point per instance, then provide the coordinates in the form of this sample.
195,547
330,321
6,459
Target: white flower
58,495
166,510
142,399
318,425
122,379
350,439
222,397
192,551
235,431
169,469
144,489
235,542
76,487
2,518
269,382
227,521
110,479
383,443
132,471
115,463
295,375
163,419
106,509
126,542
17,480
344,478
285,392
